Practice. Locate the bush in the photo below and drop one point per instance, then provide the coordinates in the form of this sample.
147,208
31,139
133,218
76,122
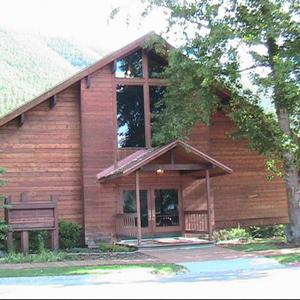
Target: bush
266,231
3,233
38,241
46,256
69,234
108,247
232,234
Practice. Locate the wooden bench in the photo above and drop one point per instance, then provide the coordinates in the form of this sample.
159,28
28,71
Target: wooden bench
25,216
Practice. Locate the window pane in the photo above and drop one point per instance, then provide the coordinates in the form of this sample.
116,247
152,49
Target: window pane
156,65
130,66
166,208
156,103
130,114
130,204
156,95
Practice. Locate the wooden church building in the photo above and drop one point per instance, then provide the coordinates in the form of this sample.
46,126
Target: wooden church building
87,141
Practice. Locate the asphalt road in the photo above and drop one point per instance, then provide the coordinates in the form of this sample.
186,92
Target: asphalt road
233,278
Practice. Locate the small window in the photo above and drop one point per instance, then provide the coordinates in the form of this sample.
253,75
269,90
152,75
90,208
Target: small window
156,65
130,115
156,96
129,198
130,66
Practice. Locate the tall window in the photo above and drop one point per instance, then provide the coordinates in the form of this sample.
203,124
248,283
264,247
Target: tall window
131,116
139,91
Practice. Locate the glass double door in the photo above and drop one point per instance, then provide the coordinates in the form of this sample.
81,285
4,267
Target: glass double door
160,209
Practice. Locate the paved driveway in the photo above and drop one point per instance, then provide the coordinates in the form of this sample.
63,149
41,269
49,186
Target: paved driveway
234,276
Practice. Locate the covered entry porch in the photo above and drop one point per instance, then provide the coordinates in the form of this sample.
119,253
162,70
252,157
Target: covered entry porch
154,203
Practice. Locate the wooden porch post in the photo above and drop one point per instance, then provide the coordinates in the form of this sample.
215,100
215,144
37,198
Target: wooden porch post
138,206
210,206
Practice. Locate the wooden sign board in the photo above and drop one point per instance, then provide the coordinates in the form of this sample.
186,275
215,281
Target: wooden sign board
27,216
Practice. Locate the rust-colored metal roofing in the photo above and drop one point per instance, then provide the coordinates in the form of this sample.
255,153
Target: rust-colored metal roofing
141,158
139,43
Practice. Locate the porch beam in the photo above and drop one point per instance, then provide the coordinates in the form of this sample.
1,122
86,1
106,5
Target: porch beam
138,206
210,206
174,167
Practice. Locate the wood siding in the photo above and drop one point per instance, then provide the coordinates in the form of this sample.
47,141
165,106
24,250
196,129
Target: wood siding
98,143
246,196
43,156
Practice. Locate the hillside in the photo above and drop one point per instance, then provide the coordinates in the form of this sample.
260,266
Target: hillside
31,64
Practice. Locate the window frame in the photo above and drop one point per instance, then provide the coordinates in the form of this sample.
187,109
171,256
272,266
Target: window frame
146,82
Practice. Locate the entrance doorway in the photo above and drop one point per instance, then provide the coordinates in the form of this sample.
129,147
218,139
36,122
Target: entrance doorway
159,207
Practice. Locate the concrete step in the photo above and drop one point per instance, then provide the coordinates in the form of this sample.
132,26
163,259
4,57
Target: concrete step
168,243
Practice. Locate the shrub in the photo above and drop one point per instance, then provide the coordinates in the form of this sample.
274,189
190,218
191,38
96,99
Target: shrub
46,256
237,233
267,231
38,241
69,234
108,247
3,233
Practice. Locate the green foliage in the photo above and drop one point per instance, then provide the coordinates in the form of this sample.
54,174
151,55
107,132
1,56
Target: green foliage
38,241
109,247
69,234
250,233
267,231
45,256
3,233
231,234
250,48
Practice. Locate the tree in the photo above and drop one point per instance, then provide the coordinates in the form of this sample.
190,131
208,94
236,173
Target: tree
218,37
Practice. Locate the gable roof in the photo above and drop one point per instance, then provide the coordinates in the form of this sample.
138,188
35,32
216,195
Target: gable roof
139,43
140,158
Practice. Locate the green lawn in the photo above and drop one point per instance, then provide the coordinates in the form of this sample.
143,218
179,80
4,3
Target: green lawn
257,245
63,271
287,258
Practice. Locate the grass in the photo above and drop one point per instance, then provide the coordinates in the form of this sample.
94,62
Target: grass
47,256
287,258
67,271
257,245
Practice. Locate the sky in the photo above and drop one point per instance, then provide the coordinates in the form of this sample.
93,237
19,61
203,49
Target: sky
84,21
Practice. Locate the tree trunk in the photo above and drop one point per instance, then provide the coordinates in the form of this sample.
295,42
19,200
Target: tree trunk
290,165
292,182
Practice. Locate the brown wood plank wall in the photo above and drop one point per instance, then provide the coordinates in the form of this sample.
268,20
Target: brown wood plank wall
246,196
43,156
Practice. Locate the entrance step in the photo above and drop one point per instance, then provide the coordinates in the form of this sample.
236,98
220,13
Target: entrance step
173,242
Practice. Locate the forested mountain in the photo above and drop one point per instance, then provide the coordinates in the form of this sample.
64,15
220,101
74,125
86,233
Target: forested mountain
30,64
